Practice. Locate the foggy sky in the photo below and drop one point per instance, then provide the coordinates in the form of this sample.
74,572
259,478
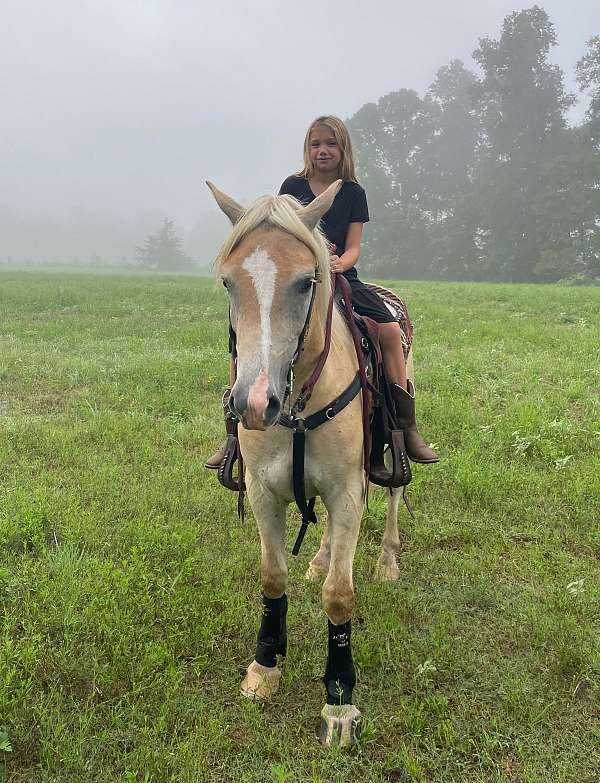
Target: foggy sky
127,106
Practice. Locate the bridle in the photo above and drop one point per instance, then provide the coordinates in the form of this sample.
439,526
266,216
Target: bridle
309,384
289,389
300,426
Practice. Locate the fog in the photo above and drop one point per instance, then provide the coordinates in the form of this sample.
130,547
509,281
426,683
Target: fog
114,113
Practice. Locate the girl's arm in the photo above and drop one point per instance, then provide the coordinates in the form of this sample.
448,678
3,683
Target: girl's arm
351,254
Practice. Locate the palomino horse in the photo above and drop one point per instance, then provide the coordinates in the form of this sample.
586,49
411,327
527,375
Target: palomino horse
275,267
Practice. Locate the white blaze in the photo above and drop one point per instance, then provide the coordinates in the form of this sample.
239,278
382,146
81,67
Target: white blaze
262,272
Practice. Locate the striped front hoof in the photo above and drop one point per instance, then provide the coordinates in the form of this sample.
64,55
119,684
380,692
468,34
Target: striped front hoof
340,725
261,682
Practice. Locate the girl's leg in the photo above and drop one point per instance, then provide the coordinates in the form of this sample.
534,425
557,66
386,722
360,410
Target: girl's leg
390,340
403,393
366,302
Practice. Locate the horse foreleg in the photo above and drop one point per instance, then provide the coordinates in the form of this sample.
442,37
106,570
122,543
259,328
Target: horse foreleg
339,716
319,565
263,674
387,569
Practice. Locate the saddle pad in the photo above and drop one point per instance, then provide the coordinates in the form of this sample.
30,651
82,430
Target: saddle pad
398,309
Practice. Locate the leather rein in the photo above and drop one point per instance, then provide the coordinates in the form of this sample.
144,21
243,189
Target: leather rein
300,426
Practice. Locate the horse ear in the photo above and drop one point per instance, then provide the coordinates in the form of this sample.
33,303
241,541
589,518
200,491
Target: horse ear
311,214
231,208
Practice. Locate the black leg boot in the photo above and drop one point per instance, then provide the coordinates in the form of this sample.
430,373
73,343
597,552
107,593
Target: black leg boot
272,636
340,675
340,719
416,448
263,675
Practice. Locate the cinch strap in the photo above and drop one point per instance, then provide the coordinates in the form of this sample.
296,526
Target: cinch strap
307,509
301,427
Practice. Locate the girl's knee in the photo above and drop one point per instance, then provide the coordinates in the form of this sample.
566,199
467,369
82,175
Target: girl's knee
389,332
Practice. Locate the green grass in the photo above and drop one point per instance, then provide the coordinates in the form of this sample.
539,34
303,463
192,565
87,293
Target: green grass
130,593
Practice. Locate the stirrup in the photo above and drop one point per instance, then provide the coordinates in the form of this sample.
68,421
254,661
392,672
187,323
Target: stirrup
400,474
225,472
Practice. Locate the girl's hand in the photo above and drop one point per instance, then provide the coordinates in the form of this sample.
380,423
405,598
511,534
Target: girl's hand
335,263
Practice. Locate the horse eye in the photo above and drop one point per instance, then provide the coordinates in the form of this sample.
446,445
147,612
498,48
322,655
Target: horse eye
225,282
306,284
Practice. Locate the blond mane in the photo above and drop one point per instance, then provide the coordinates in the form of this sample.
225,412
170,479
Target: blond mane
281,212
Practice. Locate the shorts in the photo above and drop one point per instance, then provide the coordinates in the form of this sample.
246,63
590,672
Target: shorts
367,302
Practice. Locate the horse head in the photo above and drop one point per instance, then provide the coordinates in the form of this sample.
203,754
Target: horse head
270,265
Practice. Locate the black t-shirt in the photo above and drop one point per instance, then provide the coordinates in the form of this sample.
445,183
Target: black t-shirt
349,206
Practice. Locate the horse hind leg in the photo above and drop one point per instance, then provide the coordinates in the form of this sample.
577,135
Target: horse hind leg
263,675
387,569
319,565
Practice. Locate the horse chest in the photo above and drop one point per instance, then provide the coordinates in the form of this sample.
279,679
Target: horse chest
275,472
271,465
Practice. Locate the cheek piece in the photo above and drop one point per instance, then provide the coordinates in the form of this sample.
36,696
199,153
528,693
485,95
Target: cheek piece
272,636
340,675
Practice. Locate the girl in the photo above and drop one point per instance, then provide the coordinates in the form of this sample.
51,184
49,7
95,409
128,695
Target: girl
328,157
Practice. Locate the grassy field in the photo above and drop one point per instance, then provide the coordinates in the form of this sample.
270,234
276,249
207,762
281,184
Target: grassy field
129,590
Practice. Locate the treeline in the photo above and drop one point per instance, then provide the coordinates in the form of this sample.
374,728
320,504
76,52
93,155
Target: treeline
101,240
481,178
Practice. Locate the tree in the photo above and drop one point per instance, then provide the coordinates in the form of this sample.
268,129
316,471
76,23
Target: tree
587,197
162,251
389,137
447,168
447,162
481,179
588,78
416,158
523,103
566,209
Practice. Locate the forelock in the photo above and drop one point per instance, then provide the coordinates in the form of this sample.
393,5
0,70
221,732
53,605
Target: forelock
279,212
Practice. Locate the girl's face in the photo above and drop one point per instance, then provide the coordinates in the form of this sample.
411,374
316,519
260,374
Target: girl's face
324,151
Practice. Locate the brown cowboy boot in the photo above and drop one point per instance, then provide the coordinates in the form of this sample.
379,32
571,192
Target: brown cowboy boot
416,448
214,462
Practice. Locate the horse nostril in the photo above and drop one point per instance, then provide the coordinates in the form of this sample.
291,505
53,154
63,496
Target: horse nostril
273,409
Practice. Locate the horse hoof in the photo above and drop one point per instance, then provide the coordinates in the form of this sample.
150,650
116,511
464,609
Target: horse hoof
314,573
340,725
260,682
387,570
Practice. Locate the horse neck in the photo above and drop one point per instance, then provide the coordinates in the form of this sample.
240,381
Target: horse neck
341,360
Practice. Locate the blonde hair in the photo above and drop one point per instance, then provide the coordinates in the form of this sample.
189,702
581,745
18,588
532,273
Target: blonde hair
340,131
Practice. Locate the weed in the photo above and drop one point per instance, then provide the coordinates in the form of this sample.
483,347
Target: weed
5,748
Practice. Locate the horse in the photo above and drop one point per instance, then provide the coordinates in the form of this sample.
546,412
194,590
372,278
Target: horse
275,267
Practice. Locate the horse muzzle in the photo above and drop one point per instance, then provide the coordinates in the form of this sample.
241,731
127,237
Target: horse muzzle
256,407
